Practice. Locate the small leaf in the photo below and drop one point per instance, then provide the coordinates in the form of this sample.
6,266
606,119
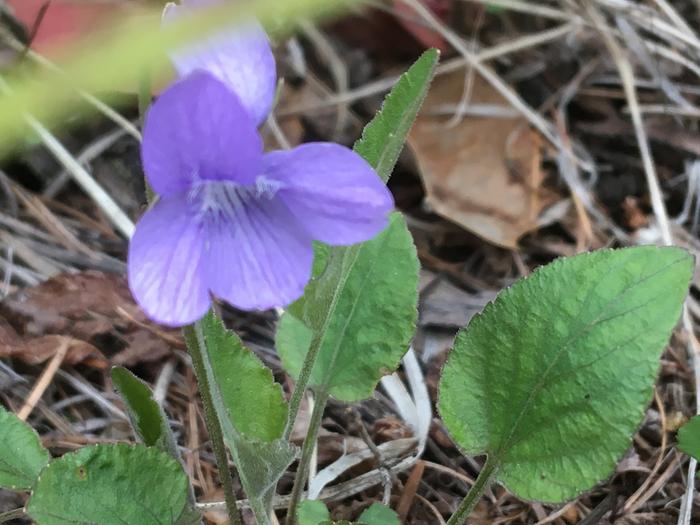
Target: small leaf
147,418
253,401
363,312
379,514
553,378
22,456
383,138
250,407
312,512
689,437
110,485
151,426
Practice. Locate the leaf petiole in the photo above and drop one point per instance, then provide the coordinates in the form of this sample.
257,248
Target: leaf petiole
306,456
483,481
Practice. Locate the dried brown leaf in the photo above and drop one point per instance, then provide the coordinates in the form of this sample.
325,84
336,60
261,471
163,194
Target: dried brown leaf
483,173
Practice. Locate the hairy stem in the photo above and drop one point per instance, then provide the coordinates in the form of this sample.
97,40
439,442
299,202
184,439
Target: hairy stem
307,452
11,515
470,500
195,344
300,386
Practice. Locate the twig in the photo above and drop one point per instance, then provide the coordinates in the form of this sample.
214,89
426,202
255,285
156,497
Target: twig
627,76
44,380
11,515
105,202
337,68
535,119
639,497
449,66
81,176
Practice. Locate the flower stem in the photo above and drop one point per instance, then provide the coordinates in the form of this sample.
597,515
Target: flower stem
195,340
300,387
307,452
470,500
11,515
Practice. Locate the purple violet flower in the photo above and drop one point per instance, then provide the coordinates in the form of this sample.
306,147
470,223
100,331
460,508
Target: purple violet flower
232,221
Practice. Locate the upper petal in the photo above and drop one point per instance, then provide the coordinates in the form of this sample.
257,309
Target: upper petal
259,256
240,56
166,264
198,129
332,191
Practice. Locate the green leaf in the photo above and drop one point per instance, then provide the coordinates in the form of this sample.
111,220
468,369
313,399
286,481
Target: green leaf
22,456
689,437
361,311
254,402
312,512
553,378
251,409
110,485
151,426
379,514
383,138
147,418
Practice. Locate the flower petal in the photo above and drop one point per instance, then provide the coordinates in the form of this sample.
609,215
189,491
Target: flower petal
260,257
165,264
332,191
240,56
198,129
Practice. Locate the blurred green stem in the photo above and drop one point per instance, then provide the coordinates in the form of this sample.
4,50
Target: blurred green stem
144,100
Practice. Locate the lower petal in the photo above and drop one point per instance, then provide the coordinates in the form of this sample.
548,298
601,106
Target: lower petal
260,257
165,264
332,191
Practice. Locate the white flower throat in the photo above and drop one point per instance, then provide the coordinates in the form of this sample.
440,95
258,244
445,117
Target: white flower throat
216,199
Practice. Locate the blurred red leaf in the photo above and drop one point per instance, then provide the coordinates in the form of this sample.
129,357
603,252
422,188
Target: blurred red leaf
421,32
64,21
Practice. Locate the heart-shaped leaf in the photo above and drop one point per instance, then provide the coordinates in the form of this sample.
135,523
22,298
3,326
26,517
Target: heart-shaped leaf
110,485
553,378
22,456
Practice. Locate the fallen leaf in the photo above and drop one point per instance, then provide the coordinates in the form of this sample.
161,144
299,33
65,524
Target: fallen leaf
36,350
94,310
483,173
